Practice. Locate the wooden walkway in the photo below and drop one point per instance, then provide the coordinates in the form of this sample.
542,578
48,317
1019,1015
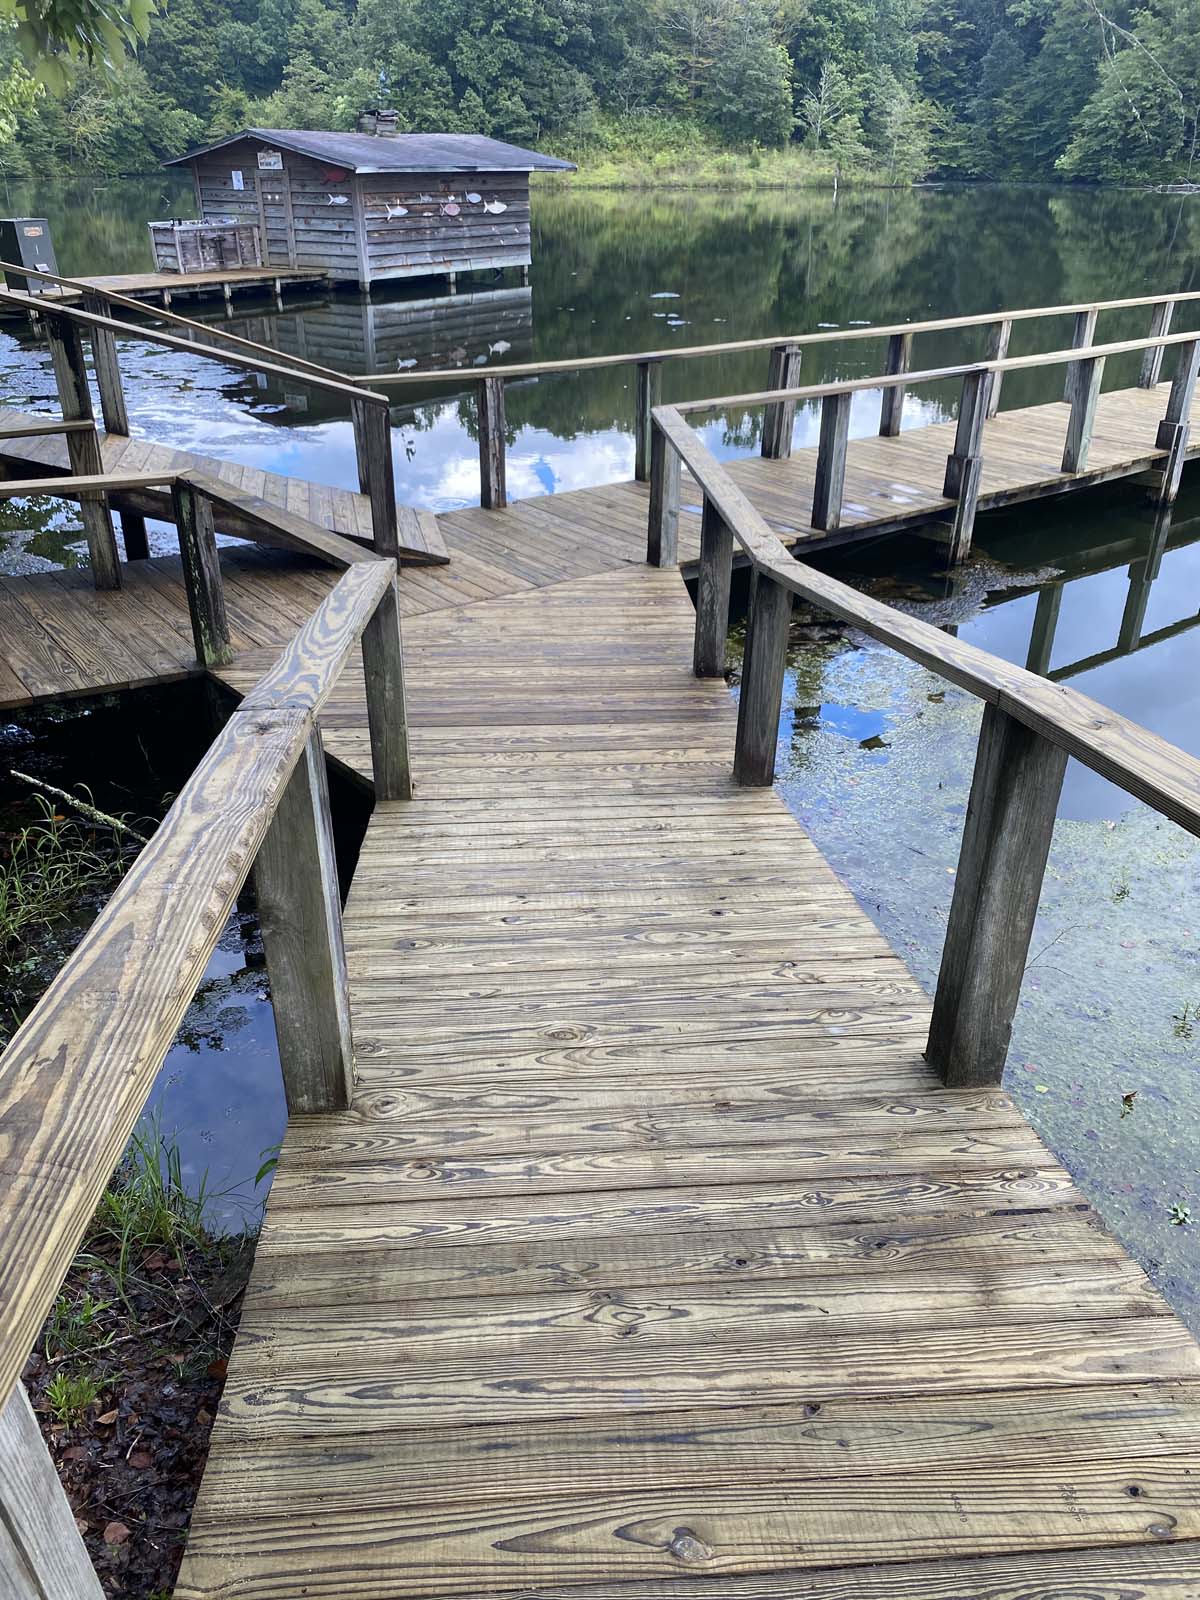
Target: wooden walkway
651,1248
166,286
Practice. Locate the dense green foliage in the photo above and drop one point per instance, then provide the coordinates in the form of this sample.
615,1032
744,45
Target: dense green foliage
896,88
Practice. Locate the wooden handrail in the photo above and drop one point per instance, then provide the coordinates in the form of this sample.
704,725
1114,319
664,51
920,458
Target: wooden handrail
160,314
1030,728
76,1075
532,369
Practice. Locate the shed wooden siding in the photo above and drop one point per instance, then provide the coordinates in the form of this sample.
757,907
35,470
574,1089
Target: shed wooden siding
298,224
426,241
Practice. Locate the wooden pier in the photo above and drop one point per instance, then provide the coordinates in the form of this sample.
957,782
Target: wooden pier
641,1229
163,288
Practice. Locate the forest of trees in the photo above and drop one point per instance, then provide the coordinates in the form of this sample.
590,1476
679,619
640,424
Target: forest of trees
1065,89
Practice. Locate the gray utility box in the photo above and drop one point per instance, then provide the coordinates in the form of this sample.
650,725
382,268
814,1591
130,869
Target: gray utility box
25,241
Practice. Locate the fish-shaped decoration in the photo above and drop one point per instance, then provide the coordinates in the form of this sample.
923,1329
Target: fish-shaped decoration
474,199
451,209
338,199
396,211
500,348
495,207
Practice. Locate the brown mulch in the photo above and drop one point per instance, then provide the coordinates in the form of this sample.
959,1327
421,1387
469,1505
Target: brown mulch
131,1463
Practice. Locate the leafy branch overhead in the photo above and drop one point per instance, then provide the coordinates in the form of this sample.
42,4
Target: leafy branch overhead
57,37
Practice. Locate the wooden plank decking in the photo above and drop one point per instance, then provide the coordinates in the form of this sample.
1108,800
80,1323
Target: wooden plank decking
200,285
652,1256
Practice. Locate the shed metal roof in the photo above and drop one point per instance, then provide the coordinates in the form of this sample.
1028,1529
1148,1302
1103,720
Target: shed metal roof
402,152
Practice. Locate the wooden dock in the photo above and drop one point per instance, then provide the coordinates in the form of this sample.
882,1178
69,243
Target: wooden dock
641,1231
164,287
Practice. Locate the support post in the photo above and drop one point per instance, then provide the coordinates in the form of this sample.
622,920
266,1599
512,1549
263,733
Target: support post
647,395
899,359
1174,431
107,366
779,416
996,349
134,536
202,574
387,716
1045,622
964,466
1084,391
1152,359
376,479
830,479
712,593
763,667
300,910
662,541
83,449
1006,840
493,495
1082,335
42,1556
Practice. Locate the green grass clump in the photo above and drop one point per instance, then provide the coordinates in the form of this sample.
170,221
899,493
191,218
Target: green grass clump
70,1394
147,1205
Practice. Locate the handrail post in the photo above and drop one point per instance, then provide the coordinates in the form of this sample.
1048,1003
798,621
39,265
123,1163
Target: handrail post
779,416
387,716
83,449
107,366
372,424
964,465
712,593
996,349
1160,325
42,1556
300,910
134,536
647,395
1084,389
1006,840
662,540
830,480
1082,335
1174,431
899,359
760,700
193,513
493,493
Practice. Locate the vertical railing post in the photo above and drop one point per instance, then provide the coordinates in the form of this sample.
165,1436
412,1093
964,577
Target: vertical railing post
713,583
1085,393
387,715
1174,431
376,478
493,494
1082,335
830,479
996,349
300,911
899,359
1152,359
647,395
107,366
662,539
964,466
134,536
42,1556
1006,840
779,416
201,574
83,448
760,699
1045,622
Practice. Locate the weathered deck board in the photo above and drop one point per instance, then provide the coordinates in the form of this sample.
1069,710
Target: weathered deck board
652,1259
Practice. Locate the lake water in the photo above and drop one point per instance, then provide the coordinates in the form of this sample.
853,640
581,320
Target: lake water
875,753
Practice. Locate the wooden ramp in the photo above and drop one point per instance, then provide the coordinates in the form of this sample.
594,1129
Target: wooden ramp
652,1259
341,511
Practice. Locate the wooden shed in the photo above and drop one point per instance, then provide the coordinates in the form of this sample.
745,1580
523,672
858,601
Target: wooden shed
371,207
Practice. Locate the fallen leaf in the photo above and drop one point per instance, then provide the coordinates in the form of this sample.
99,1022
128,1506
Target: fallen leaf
82,1524
155,1262
74,1452
115,1533
109,1417
140,1460
218,1368
203,1417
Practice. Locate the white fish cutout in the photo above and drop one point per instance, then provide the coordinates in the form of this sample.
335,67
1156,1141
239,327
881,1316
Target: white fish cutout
495,207
339,199
474,198
500,348
396,211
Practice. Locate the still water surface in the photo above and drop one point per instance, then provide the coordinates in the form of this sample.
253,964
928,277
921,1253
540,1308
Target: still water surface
876,753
